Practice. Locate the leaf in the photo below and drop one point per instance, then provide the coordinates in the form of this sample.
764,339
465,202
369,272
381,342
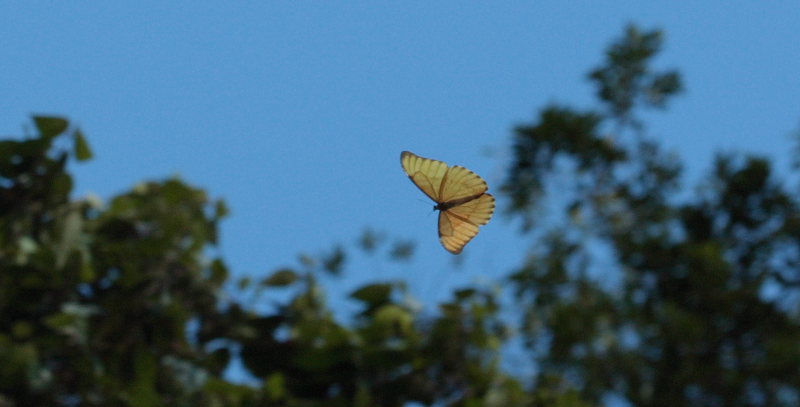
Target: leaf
280,278
450,309
221,209
72,321
86,274
26,246
369,240
82,150
22,330
333,262
392,315
275,386
402,250
465,293
70,238
61,185
362,397
219,273
50,127
373,294
142,390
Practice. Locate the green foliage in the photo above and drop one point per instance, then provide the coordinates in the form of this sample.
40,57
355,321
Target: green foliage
389,356
626,80
96,300
637,290
120,304
695,302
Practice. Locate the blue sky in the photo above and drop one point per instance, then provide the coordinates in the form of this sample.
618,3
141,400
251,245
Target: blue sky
296,112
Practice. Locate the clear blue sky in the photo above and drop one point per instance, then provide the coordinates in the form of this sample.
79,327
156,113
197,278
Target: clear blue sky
296,112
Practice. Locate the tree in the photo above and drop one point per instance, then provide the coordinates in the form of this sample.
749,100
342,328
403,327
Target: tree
639,288
635,288
95,299
118,304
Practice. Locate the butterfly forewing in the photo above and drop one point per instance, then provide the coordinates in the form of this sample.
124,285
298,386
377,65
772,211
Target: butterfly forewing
461,183
426,174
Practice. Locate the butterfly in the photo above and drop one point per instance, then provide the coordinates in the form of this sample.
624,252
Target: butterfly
460,197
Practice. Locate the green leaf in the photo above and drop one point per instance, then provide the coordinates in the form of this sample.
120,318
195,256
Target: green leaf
26,246
221,209
465,293
243,283
280,278
22,330
142,390
369,240
219,272
373,294
61,185
362,397
70,238
86,274
50,127
82,150
450,309
333,262
402,250
275,386
392,315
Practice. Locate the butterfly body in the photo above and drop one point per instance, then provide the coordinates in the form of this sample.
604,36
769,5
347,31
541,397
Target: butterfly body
443,206
460,197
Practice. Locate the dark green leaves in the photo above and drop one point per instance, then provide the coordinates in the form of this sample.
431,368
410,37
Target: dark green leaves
50,127
98,298
373,294
625,77
281,278
638,281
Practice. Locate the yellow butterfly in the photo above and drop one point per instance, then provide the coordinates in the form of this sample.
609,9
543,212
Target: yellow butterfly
460,197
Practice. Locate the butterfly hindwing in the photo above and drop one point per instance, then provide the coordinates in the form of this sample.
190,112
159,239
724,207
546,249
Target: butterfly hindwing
477,211
455,232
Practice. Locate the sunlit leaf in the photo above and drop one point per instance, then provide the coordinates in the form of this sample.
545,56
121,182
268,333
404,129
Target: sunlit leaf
70,237
395,316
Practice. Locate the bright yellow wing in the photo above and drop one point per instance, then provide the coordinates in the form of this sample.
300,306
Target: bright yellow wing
455,232
460,183
426,174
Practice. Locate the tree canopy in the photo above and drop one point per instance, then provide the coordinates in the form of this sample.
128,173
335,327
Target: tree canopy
637,287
